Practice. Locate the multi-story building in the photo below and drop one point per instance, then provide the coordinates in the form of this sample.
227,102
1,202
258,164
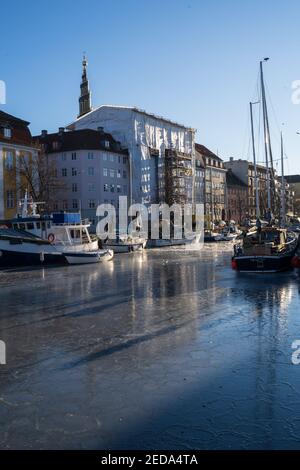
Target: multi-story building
199,178
244,170
236,198
92,168
161,152
16,145
294,184
215,185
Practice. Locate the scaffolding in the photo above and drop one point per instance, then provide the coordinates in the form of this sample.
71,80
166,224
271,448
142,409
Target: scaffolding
178,177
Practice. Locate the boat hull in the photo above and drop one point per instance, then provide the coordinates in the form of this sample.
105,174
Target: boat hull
10,258
263,264
161,243
89,258
124,248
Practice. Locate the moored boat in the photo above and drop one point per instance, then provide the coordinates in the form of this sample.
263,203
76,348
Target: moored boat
269,249
88,257
19,248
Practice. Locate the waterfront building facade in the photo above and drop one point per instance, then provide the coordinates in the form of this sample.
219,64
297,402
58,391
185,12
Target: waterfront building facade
16,144
90,166
199,178
244,170
294,185
161,152
215,186
236,198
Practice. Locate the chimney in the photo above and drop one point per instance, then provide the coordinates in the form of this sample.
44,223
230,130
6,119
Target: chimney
231,159
44,132
61,130
100,129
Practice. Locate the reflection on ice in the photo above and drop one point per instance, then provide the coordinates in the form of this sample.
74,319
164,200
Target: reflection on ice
163,348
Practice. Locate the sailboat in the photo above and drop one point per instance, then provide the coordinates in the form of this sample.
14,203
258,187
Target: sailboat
268,248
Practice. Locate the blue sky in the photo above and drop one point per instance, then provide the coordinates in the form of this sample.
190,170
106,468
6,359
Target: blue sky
193,61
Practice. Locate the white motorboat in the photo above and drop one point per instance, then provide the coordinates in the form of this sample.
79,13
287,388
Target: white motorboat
125,243
88,257
66,231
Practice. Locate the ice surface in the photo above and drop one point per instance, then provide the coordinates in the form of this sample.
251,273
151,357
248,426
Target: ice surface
161,349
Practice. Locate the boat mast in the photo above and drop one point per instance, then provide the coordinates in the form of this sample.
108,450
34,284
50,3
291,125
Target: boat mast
266,131
254,161
282,184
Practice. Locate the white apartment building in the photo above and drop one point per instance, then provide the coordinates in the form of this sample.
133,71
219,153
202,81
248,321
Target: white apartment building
92,168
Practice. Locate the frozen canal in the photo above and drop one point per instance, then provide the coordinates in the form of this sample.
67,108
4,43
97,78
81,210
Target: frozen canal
154,350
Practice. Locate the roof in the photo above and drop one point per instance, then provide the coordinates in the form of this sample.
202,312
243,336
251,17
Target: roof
233,180
20,132
244,162
82,139
136,110
6,118
200,158
292,178
205,152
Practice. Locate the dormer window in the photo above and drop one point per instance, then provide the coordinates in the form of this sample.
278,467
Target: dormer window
106,144
7,132
55,145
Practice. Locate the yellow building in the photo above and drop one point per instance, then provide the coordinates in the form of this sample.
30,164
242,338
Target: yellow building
16,146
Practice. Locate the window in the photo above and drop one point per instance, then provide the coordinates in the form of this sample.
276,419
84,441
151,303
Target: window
74,188
7,132
9,160
119,159
112,158
105,172
30,226
92,204
55,145
10,199
106,143
74,171
64,172
118,188
124,160
105,157
125,188
105,187
65,204
75,204
124,174
64,157
91,187
90,156
112,173
112,188
74,156
91,171
119,174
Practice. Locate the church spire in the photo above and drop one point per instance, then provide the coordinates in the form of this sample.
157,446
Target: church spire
85,94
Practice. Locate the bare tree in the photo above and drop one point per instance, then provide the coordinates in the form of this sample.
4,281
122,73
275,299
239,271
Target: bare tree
38,175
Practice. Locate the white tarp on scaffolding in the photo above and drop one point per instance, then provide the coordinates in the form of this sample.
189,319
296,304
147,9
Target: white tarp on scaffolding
143,134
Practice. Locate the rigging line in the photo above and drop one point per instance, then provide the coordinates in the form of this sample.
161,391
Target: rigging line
245,135
273,108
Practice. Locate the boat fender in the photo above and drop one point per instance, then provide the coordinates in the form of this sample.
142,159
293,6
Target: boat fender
51,237
233,264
